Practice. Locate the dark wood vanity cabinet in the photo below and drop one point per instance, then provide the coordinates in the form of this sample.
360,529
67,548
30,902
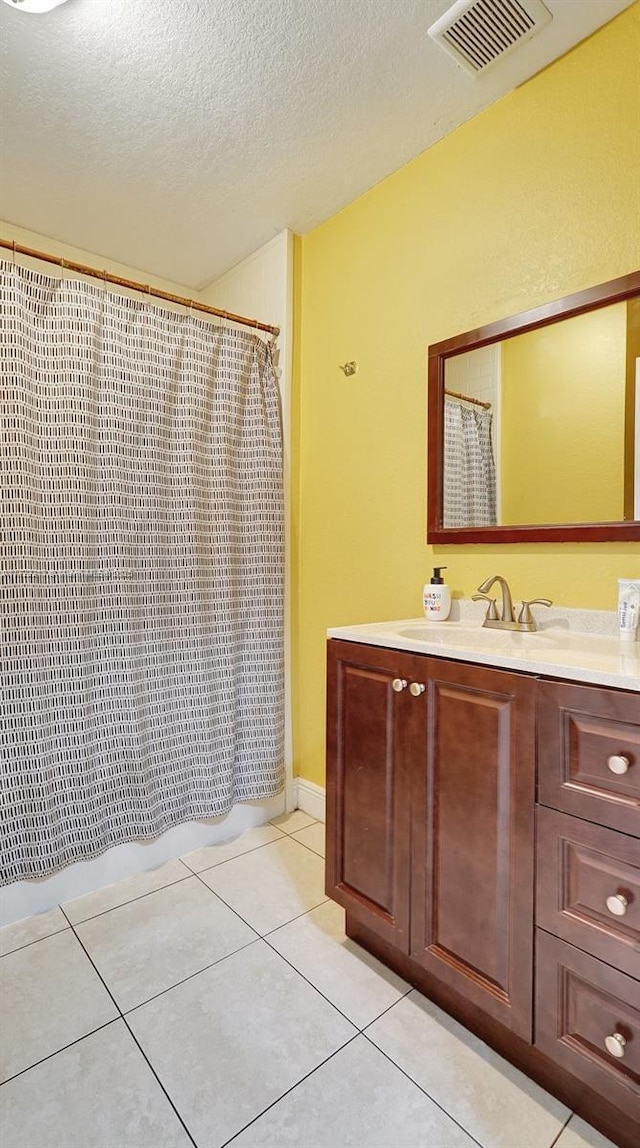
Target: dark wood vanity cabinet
520,918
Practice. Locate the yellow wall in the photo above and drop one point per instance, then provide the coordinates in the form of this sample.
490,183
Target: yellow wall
533,199
563,405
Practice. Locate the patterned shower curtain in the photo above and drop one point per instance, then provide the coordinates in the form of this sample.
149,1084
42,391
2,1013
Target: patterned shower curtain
141,571
469,471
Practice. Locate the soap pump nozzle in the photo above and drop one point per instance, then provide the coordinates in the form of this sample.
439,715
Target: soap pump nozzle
437,580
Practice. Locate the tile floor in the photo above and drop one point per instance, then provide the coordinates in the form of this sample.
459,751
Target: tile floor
216,1000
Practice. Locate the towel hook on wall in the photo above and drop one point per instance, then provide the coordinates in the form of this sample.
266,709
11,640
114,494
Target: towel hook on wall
349,368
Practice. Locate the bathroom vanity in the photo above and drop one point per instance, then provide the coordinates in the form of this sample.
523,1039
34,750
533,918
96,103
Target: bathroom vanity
483,836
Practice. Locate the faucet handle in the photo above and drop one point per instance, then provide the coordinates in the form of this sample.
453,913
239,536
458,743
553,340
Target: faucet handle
525,616
492,613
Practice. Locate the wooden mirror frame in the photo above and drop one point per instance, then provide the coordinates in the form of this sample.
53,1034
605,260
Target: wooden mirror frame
615,291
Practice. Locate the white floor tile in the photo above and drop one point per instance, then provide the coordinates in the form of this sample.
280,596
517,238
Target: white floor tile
312,836
353,980
291,822
230,1041
51,996
578,1134
357,1099
21,933
82,908
490,1098
99,1093
272,885
146,946
215,854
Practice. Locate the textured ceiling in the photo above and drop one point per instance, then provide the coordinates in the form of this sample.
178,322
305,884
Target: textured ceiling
177,136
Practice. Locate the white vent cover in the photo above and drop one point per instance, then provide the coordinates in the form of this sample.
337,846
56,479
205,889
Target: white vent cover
477,33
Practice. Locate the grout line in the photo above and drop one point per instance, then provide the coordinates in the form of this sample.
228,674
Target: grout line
262,936
290,832
305,846
423,1090
289,1090
389,1007
314,987
217,864
36,940
131,1033
131,901
555,1141
190,977
296,918
156,1077
50,1055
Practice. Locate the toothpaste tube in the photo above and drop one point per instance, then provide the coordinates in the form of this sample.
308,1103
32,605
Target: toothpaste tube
628,607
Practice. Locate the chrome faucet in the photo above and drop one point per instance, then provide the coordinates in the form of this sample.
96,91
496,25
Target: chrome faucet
507,620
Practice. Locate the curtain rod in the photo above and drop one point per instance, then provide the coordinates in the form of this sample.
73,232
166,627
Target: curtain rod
107,277
468,399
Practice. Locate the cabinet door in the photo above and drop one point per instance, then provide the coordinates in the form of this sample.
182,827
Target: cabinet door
473,839
368,727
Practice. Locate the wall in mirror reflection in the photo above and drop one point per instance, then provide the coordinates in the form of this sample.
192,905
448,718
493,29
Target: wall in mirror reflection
565,418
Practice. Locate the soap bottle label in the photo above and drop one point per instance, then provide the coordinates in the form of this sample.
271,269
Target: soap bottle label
436,602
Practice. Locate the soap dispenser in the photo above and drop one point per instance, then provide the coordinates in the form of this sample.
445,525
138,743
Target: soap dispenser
436,597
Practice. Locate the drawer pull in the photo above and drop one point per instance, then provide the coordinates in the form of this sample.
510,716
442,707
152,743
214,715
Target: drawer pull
618,763
615,1045
416,688
617,904
398,684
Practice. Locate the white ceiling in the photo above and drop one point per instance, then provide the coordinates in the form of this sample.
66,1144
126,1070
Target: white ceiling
177,136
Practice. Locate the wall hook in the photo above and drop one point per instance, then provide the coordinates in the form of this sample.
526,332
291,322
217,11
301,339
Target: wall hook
349,368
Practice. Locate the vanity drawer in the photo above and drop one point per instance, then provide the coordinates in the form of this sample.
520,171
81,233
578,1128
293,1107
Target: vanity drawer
588,887
588,1021
585,736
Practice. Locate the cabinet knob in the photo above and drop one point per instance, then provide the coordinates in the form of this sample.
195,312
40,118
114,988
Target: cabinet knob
416,688
398,684
615,1045
617,904
618,763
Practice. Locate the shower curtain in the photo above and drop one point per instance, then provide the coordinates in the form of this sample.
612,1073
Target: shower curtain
141,571
469,488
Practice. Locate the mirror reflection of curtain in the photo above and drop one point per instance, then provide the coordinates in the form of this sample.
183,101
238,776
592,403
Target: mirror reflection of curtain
469,470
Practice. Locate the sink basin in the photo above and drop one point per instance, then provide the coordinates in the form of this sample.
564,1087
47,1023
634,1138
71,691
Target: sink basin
476,637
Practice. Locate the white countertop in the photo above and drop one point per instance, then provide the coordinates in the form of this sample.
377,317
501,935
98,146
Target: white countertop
556,650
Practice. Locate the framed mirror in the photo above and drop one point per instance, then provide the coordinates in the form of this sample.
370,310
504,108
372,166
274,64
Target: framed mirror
534,424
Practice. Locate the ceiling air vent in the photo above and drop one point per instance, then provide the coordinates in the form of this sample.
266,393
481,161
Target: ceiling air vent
478,33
